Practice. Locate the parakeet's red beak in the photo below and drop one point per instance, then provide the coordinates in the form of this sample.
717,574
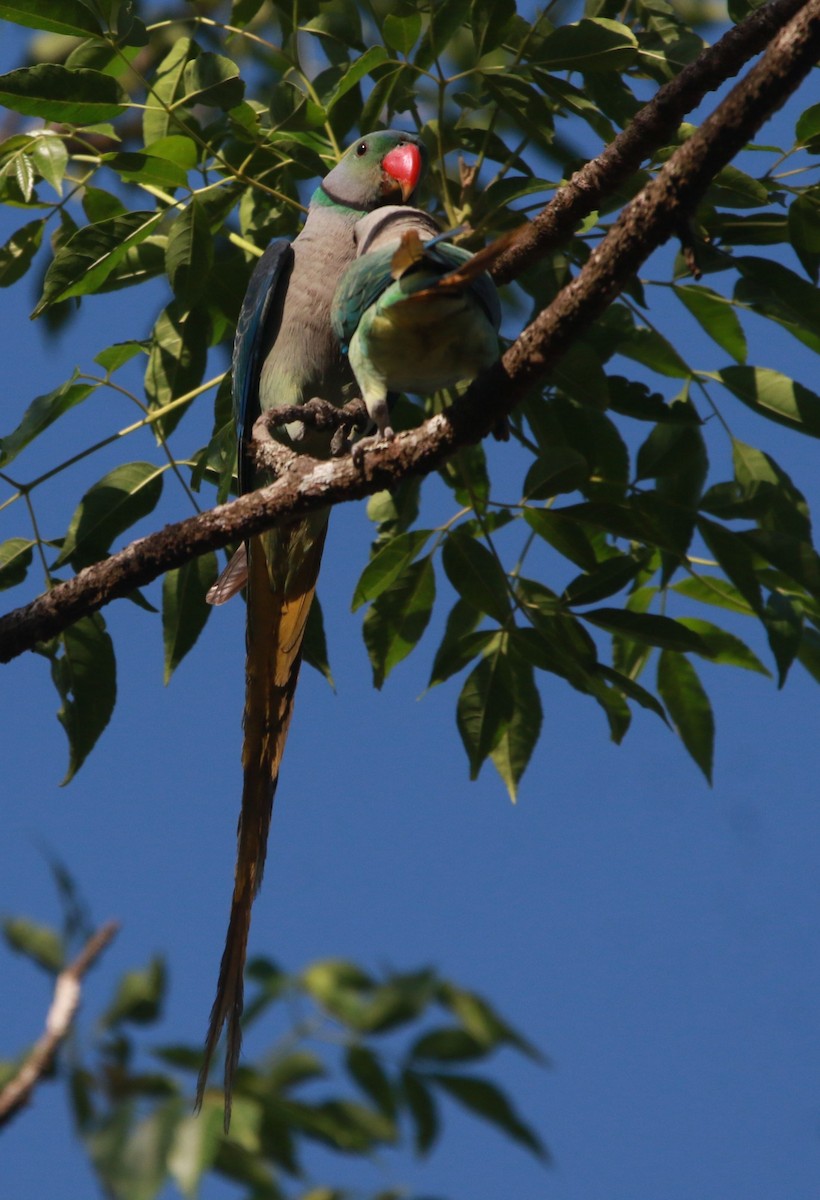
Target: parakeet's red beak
402,169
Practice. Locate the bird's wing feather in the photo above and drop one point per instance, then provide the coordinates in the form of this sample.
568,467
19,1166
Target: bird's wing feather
362,284
264,296
461,271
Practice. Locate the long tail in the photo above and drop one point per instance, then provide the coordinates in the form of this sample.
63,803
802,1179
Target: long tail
282,572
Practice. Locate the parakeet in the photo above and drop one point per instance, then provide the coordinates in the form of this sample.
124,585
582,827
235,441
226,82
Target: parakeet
414,312
285,353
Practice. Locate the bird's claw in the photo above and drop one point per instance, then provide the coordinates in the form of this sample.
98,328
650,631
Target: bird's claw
351,417
370,443
340,442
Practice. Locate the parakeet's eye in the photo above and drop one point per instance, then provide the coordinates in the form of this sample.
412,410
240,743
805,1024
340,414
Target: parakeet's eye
361,149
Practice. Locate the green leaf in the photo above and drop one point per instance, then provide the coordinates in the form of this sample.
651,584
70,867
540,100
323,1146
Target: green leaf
556,469
189,253
176,148
615,708
716,316
792,555
176,361
632,690
24,174
108,509
50,158
369,1074
734,557
808,125
647,628
564,536
395,511
99,205
422,1109
195,1146
783,621
184,608
483,1023
809,653
711,589
398,617
761,229
605,579
86,260
733,188
211,79
804,230
15,560
672,450
476,575
55,93
770,493
387,564
490,20
116,356
446,18
360,67
448,1045
139,996
775,396
314,646
147,169
466,473
519,736
70,17
401,32
782,295
158,119
42,945
244,11
488,1101
339,21
85,678
652,350
347,1126
688,707
485,708
593,44
460,643
288,1071
580,376
41,413
18,253
634,399
723,647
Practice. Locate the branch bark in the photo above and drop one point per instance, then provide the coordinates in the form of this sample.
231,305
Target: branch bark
17,1092
653,127
305,484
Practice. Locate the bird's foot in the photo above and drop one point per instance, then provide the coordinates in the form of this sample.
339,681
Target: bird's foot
351,419
370,443
317,413
340,442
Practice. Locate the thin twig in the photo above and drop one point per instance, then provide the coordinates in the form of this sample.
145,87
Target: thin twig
17,1092
653,126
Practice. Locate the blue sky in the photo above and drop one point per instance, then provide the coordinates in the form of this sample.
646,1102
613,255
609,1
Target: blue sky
656,938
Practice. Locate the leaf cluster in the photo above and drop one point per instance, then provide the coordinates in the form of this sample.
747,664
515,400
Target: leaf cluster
167,151
364,1064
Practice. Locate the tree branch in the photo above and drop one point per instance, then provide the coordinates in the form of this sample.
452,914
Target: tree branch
306,484
17,1092
653,126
